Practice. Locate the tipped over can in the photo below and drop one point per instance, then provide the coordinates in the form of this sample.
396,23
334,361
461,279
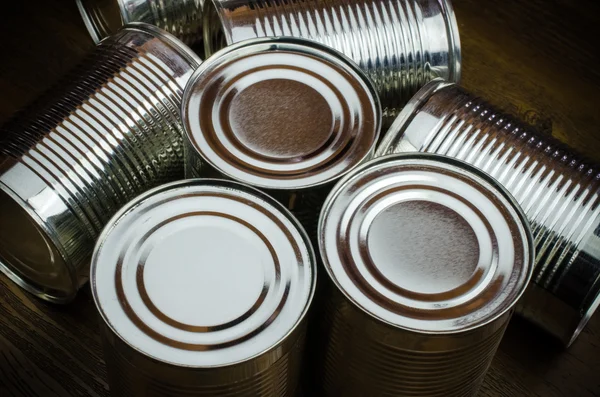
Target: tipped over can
427,257
289,116
203,287
182,18
400,44
557,188
67,163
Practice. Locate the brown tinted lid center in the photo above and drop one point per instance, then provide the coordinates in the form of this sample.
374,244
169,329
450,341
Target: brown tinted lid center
281,118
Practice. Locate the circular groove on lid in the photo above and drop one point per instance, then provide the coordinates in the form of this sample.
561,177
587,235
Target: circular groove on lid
281,113
426,243
203,273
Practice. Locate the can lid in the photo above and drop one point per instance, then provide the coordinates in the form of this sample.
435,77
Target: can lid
426,243
404,136
203,273
102,17
29,255
281,113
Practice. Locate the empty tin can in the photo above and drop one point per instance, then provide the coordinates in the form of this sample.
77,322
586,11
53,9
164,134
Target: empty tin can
182,18
558,190
427,257
289,116
203,287
400,44
109,132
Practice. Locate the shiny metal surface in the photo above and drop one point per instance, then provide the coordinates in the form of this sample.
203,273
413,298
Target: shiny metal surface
70,161
558,190
400,44
203,286
182,18
286,115
427,258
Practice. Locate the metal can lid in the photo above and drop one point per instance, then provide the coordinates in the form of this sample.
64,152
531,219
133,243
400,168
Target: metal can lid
426,243
203,273
28,253
281,113
102,17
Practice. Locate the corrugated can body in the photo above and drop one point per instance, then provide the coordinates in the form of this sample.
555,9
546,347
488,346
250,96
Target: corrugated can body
182,18
203,287
557,188
131,374
400,44
367,358
427,257
287,115
71,160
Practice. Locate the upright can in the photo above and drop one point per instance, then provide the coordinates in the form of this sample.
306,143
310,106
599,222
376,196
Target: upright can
109,132
558,190
182,18
203,287
400,44
289,116
427,257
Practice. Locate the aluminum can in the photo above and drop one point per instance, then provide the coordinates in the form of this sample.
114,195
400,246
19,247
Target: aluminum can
427,257
203,287
107,133
182,18
286,115
557,188
400,44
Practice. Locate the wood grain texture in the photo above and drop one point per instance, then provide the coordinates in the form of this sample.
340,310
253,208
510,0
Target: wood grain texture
536,59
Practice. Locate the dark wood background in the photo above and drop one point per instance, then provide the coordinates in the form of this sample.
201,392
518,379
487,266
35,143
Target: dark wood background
537,59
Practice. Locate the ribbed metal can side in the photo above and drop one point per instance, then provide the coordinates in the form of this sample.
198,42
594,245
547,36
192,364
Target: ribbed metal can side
182,18
275,373
362,356
392,41
108,132
557,188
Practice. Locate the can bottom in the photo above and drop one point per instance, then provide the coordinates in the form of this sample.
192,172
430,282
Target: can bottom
27,254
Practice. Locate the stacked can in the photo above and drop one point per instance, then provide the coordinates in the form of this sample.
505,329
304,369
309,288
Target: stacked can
558,190
400,44
182,18
289,116
184,313
69,162
427,257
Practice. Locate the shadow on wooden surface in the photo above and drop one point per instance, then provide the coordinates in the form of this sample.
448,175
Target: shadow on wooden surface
536,59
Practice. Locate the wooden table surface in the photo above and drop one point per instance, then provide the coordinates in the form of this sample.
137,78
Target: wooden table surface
534,58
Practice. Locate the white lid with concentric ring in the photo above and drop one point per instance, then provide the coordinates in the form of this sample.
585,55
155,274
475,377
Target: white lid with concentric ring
203,273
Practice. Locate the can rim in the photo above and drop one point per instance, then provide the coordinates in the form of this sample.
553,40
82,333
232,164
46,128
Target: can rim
529,243
22,281
587,315
402,121
89,24
302,45
454,45
133,204
183,50
206,25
